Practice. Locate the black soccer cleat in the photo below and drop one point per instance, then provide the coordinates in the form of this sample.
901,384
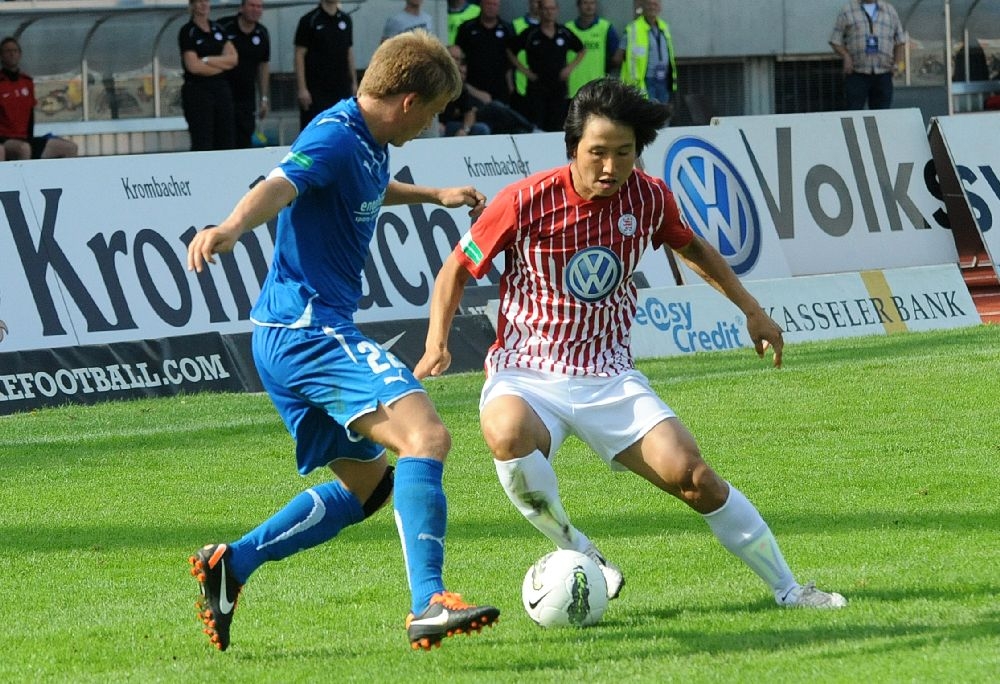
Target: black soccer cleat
219,591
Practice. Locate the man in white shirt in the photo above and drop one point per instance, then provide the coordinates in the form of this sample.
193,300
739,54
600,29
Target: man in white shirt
412,17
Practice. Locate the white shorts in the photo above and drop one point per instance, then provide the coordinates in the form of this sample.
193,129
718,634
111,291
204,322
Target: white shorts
608,414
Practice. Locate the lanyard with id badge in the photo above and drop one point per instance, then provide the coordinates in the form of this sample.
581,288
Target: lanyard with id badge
659,68
871,40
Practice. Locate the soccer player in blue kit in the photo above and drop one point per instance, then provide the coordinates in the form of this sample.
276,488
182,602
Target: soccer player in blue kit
344,398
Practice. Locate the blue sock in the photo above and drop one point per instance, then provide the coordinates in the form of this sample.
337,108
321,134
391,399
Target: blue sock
421,517
311,518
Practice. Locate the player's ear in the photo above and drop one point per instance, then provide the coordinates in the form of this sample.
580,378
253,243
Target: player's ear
410,100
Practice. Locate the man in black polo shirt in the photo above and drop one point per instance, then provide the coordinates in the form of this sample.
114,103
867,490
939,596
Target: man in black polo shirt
484,42
253,73
547,47
324,59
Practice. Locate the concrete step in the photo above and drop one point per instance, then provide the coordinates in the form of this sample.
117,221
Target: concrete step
980,276
987,302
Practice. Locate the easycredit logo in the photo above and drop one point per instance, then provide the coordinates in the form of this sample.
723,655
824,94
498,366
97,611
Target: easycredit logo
677,320
714,200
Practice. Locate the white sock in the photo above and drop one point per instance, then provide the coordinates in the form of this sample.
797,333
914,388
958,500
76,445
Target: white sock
531,486
739,527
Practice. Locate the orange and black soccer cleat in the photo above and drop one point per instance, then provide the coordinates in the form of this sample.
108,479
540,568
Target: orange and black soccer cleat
446,616
210,565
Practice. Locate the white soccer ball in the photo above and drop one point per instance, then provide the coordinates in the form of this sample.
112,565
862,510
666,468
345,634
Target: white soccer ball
564,588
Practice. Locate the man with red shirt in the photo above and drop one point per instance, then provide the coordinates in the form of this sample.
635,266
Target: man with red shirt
17,112
561,365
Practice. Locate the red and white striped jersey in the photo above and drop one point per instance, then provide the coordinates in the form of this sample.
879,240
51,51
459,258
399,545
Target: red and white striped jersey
567,299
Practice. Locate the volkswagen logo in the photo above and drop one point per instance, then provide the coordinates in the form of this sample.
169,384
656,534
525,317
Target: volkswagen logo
714,200
593,274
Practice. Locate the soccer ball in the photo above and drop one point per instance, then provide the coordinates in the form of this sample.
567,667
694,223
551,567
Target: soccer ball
564,588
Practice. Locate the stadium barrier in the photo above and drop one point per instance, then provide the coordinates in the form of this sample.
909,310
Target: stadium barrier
211,361
94,249
807,194
695,318
90,374
971,143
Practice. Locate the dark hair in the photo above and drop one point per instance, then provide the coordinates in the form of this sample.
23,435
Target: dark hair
618,102
10,39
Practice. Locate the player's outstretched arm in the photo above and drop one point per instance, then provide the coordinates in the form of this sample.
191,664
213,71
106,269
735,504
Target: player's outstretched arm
407,193
448,287
261,204
706,261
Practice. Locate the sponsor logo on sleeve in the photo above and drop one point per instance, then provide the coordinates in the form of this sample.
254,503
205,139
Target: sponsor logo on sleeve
302,160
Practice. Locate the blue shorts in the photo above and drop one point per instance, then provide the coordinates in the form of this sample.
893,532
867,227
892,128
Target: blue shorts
320,380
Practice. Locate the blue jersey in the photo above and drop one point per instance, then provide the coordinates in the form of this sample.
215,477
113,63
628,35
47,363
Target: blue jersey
340,174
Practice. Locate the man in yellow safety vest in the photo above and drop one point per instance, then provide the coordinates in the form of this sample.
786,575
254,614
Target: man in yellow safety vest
598,35
648,55
459,12
531,18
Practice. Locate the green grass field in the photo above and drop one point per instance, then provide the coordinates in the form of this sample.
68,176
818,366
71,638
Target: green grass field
875,460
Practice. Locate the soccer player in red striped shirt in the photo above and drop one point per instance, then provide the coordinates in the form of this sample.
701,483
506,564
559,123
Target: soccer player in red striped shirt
561,365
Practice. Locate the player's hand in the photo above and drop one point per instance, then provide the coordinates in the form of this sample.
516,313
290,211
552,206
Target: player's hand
466,196
207,243
765,333
433,363
305,100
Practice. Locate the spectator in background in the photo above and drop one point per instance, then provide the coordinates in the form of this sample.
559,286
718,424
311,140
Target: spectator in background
869,37
460,115
547,68
492,114
459,12
206,97
324,59
484,42
498,116
598,35
17,112
253,73
648,60
521,24
979,67
412,17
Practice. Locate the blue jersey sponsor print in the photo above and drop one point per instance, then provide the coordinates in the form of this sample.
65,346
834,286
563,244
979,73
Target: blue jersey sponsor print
323,236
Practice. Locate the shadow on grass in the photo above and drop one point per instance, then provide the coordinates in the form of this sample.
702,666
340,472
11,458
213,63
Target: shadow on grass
50,537
97,450
821,353
657,640
111,537
682,520
859,599
662,634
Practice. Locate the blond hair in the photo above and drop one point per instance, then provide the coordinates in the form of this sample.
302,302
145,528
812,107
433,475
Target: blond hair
412,62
